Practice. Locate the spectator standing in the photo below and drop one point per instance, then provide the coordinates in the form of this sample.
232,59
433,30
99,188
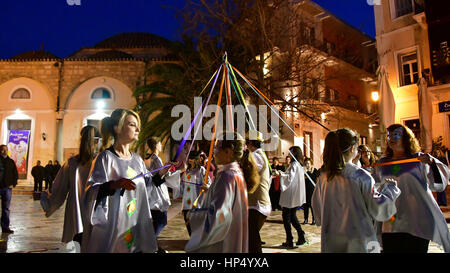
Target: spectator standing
38,173
8,179
48,177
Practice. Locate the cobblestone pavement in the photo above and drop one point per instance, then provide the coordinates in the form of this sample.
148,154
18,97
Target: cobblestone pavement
33,232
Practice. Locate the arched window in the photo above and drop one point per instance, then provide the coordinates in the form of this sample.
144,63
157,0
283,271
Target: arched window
101,93
21,94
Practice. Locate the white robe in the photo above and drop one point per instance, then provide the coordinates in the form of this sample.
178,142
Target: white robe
192,181
69,184
159,196
417,211
345,207
118,223
220,224
292,186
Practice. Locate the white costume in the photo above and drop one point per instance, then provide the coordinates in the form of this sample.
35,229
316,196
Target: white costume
417,211
220,224
118,223
192,181
345,207
69,183
292,186
260,199
159,196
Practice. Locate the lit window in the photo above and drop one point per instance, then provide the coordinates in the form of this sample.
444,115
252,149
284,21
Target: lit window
409,69
101,93
21,94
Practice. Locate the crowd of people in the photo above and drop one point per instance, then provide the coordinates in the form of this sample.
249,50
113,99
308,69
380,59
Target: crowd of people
47,174
117,201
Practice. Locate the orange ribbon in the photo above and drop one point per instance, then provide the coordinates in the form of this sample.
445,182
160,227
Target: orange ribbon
403,161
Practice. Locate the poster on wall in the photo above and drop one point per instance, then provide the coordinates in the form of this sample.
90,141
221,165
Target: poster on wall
18,141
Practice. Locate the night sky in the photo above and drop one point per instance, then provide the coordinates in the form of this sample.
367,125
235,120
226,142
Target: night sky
63,29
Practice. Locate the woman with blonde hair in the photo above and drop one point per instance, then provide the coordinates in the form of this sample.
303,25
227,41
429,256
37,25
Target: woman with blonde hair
220,223
345,200
419,218
118,209
69,184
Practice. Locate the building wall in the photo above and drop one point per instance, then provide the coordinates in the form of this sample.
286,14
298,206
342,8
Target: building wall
400,35
79,80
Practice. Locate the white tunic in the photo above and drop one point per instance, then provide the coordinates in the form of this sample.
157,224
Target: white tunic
263,204
345,207
292,186
220,224
118,223
159,196
192,181
69,183
417,211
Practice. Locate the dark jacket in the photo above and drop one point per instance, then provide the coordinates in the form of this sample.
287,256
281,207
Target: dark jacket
49,172
8,172
38,172
56,169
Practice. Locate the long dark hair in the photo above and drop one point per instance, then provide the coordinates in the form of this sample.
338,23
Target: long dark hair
337,144
296,154
243,157
87,144
410,142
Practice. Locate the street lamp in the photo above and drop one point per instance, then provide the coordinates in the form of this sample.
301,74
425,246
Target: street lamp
100,105
375,96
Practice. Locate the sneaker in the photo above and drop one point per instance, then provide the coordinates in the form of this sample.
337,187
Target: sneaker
7,230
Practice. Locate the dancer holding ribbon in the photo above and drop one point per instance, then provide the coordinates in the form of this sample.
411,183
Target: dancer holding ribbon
159,196
118,209
418,219
69,184
345,199
192,184
220,223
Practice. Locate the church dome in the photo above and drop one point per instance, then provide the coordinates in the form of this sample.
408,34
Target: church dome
35,55
133,40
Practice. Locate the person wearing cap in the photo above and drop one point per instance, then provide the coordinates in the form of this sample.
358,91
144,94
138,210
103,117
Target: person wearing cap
259,206
192,182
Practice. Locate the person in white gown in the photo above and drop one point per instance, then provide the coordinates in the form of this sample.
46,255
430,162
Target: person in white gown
69,185
418,219
159,197
220,223
345,200
258,198
293,195
118,209
192,183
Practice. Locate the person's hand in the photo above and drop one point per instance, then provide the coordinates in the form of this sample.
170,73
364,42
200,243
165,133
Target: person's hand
425,158
123,183
164,171
391,181
204,187
183,167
